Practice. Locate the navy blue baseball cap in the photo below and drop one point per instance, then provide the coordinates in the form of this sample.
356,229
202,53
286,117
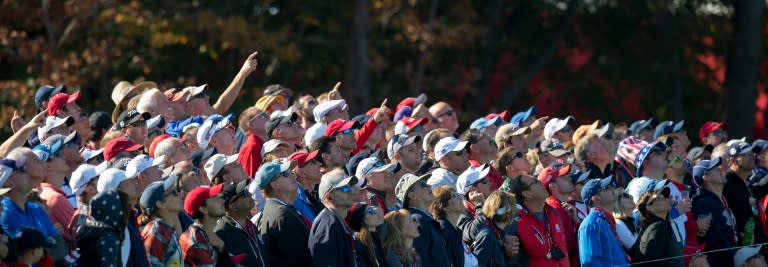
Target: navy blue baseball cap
668,127
637,126
592,187
45,92
703,167
646,151
740,148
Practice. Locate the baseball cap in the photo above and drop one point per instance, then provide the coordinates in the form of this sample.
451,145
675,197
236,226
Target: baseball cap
58,101
155,142
216,162
702,167
231,190
31,238
482,123
408,124
52,122
552,147
154,193
669,127
87,153
760,145
313,133
470,177
334,180
110,179
124,88
447,145
579,176
697,152
740,148
368,166
156,122
508,130
197,197
556,124
302,157
270,146
45,92
277,120
356,216
522,116
406,182
276,89
140,163
548,174
129,117
351,166
83,175
193,91
402,112
50,147
638,126
323,108
709,127
100,120
645,152
267,172
745,254
412,102
399,141
503,115
7,167
266,101
592,187
339,126
212,125
120,144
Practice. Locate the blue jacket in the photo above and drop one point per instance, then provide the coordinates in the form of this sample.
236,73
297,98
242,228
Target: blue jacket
598,245
430,245
13,219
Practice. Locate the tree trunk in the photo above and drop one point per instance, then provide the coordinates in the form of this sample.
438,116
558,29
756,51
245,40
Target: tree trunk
742,66
357,79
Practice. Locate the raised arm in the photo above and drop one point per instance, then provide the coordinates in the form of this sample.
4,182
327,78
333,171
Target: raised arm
227,98
19,137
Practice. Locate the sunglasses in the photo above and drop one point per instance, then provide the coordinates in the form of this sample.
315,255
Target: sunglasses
447,113
371,210
518,154
418,128
347,131
344,189
458,153
566,129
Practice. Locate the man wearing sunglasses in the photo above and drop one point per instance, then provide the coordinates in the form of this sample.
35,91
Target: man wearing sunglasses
238,233
474,187
740,162
331,241
598,245
344,132
381,182
510,135
308,175
406,151
416,195
252,121
482,149
453,158
284,229
559,184
445,115
56,172
713,133
550,151
283,126
133,125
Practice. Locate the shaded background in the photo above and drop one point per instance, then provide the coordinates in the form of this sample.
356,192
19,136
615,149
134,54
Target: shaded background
615,60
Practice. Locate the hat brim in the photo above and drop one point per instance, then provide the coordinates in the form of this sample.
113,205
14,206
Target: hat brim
557,152
351,180
521,131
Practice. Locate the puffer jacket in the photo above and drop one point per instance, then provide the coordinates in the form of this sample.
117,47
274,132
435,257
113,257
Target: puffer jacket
100,237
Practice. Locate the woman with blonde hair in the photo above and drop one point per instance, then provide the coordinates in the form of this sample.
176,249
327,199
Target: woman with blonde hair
485,234
402,229
626,229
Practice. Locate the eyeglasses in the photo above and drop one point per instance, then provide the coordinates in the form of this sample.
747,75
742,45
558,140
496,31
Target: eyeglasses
458,153
447,113
344,189
518,154
371,210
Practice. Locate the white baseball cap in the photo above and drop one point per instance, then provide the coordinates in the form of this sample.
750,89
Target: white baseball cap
53,122
744,254
140,163
448,145
110,179
83,175
399,141
323,108
372,165
556,124
216,162
211,125
88,153
270,146
156,121
194,90
470,177
313,133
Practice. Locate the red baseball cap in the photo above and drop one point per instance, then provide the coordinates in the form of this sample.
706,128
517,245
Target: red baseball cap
174,94
371,112
550,173
411,122
198,196
302,157
710,127
338,126
60,100
156,141
118,145
504,115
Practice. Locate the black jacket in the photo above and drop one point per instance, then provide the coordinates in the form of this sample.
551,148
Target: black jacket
484,242
722,231
237,241
737,194
430,245
285,235
331,241
453,241
657,241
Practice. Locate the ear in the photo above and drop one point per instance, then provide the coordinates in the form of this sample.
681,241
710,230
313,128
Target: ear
595,199
527,194
509,169
473,147
203,209
326,156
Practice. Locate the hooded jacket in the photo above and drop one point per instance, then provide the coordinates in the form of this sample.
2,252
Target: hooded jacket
100,238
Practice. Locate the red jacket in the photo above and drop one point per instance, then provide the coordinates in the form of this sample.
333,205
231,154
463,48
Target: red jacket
570,228
365,132
537,242
250,154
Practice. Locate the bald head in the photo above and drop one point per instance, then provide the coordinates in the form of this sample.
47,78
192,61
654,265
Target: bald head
445,115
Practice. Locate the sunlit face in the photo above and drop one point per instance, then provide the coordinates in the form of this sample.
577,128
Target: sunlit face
374,216
410,227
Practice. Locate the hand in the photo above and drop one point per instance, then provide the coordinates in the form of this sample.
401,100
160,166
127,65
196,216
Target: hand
334,94
699,261
251,63
38,120
571,210
539,123
703,224
382,113
476,198
17,121
511,245
216,242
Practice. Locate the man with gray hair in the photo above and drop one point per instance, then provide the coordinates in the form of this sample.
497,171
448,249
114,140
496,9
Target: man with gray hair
173,149
156,103
329,238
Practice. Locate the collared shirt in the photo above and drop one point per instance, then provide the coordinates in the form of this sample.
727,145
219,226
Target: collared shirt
162,243
196,248
14,219
304,205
